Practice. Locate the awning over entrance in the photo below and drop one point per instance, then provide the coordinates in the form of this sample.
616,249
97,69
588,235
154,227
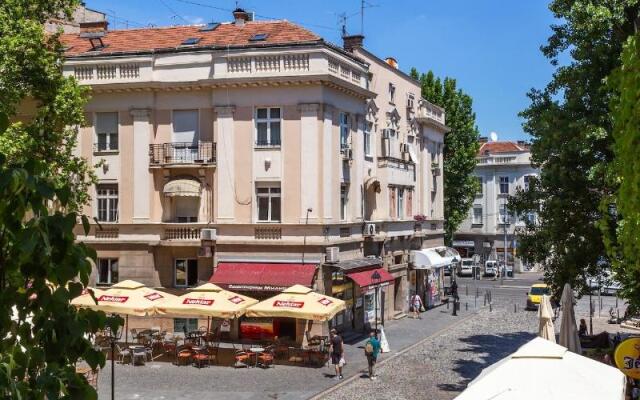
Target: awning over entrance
363,278
428,258
182,187
358,263
262,276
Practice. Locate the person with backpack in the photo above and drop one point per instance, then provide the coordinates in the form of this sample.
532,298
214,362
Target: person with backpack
416,306
371,351
337,353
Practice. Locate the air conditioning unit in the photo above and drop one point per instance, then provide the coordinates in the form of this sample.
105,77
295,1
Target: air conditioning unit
331,255
208,234
370,230
205,252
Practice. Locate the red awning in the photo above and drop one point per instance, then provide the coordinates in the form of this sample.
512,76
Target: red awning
262,277
363,278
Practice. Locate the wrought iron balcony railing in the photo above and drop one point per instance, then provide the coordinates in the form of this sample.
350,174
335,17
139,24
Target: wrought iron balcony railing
182,153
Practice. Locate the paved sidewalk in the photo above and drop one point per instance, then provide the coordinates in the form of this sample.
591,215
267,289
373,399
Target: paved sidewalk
161,380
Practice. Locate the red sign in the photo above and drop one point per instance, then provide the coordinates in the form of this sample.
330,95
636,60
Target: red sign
324,301
113,299
236,299
154,296
198,302
288,304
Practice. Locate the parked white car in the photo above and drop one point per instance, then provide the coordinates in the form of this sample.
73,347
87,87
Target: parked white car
466,267
490,268
605,283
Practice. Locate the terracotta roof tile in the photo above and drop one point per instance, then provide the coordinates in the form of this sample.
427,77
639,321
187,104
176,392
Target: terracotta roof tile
499,147
227,34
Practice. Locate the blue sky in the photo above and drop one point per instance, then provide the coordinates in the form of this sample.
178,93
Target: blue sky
491,46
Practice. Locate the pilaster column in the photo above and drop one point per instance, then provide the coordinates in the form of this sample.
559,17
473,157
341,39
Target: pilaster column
225,194
141,175
309,160
329,154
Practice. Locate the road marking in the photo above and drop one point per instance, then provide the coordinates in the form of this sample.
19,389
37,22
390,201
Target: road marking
398,354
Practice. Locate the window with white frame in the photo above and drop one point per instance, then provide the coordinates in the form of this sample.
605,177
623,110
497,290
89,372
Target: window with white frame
392,93
186,272
268,200
367,138
344,200
504,185
400,207
107,131
527,180
479,191
344,131
107,273
268,126
504,217
477,214
107,202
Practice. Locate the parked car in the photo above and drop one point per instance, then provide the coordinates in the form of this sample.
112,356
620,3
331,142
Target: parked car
606,283
490,268
534,296
466,267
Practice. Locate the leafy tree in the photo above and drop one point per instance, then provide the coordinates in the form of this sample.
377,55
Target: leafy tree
622,227
41,334
460,147
571,127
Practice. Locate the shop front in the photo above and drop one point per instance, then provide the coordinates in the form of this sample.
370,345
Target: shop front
261,281
371,291
427,276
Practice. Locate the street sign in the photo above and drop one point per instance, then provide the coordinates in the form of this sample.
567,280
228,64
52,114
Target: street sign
627,357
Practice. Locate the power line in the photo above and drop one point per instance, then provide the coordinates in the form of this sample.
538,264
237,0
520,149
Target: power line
175,14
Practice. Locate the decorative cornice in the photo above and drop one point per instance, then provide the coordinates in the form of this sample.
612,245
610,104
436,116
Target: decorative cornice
225,111
309,107
140,113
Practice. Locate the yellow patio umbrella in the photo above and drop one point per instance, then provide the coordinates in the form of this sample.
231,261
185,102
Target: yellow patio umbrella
85,300
208,300
127,298
298,302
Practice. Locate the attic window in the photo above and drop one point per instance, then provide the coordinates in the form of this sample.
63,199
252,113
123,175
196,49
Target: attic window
258,37
209,27
96,43
190,41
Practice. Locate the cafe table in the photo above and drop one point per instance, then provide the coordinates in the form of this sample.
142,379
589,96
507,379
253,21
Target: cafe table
256,351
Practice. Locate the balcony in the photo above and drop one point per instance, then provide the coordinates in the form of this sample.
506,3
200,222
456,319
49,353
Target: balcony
182,154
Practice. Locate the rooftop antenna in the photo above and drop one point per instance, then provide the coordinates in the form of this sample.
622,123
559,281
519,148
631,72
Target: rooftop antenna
364,4
342,21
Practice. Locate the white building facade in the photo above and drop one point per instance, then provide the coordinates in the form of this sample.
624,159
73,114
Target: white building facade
502,168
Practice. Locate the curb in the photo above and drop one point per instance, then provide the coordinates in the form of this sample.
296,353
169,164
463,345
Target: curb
325,392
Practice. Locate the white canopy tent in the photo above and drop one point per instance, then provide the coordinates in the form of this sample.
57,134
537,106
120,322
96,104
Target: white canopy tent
428,258
544,370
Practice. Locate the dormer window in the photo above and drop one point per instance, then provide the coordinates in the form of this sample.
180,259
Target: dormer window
209,27
259,37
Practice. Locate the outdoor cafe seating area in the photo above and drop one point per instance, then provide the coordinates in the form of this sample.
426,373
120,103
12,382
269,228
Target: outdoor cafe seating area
207,346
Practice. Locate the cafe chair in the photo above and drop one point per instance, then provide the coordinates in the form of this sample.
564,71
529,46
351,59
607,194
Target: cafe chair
123,353
201,358
139,355
265,359
242,359
184,355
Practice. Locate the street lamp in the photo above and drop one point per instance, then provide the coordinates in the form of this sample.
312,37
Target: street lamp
375,279
114,336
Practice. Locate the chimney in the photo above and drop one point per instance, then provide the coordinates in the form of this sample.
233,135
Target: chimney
392,61
352,42
240,16
483,139
93,26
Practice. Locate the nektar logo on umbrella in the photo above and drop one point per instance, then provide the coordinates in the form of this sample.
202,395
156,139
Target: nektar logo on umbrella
288,304
154,296
324,301
198,302
236,299
113,299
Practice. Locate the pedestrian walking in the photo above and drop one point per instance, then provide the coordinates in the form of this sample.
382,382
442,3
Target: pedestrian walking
416,306
337,353
371,351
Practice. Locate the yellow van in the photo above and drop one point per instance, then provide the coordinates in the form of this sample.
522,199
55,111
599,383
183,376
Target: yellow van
535,295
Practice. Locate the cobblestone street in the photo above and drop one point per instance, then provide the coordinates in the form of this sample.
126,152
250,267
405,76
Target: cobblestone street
440,367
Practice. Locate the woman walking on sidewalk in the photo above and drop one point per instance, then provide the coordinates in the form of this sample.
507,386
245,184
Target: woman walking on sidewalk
416,306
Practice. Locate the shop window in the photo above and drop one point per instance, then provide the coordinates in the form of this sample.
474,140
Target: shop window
186,272
107,271
268,124
179,325
268,196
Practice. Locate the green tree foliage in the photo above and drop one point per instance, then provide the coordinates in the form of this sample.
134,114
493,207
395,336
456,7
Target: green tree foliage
41,334
571,127
460,147
622,228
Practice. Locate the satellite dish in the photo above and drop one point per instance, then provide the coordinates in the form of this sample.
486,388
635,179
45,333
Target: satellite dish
493,136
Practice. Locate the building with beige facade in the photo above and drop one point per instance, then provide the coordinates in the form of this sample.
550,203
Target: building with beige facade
256,155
